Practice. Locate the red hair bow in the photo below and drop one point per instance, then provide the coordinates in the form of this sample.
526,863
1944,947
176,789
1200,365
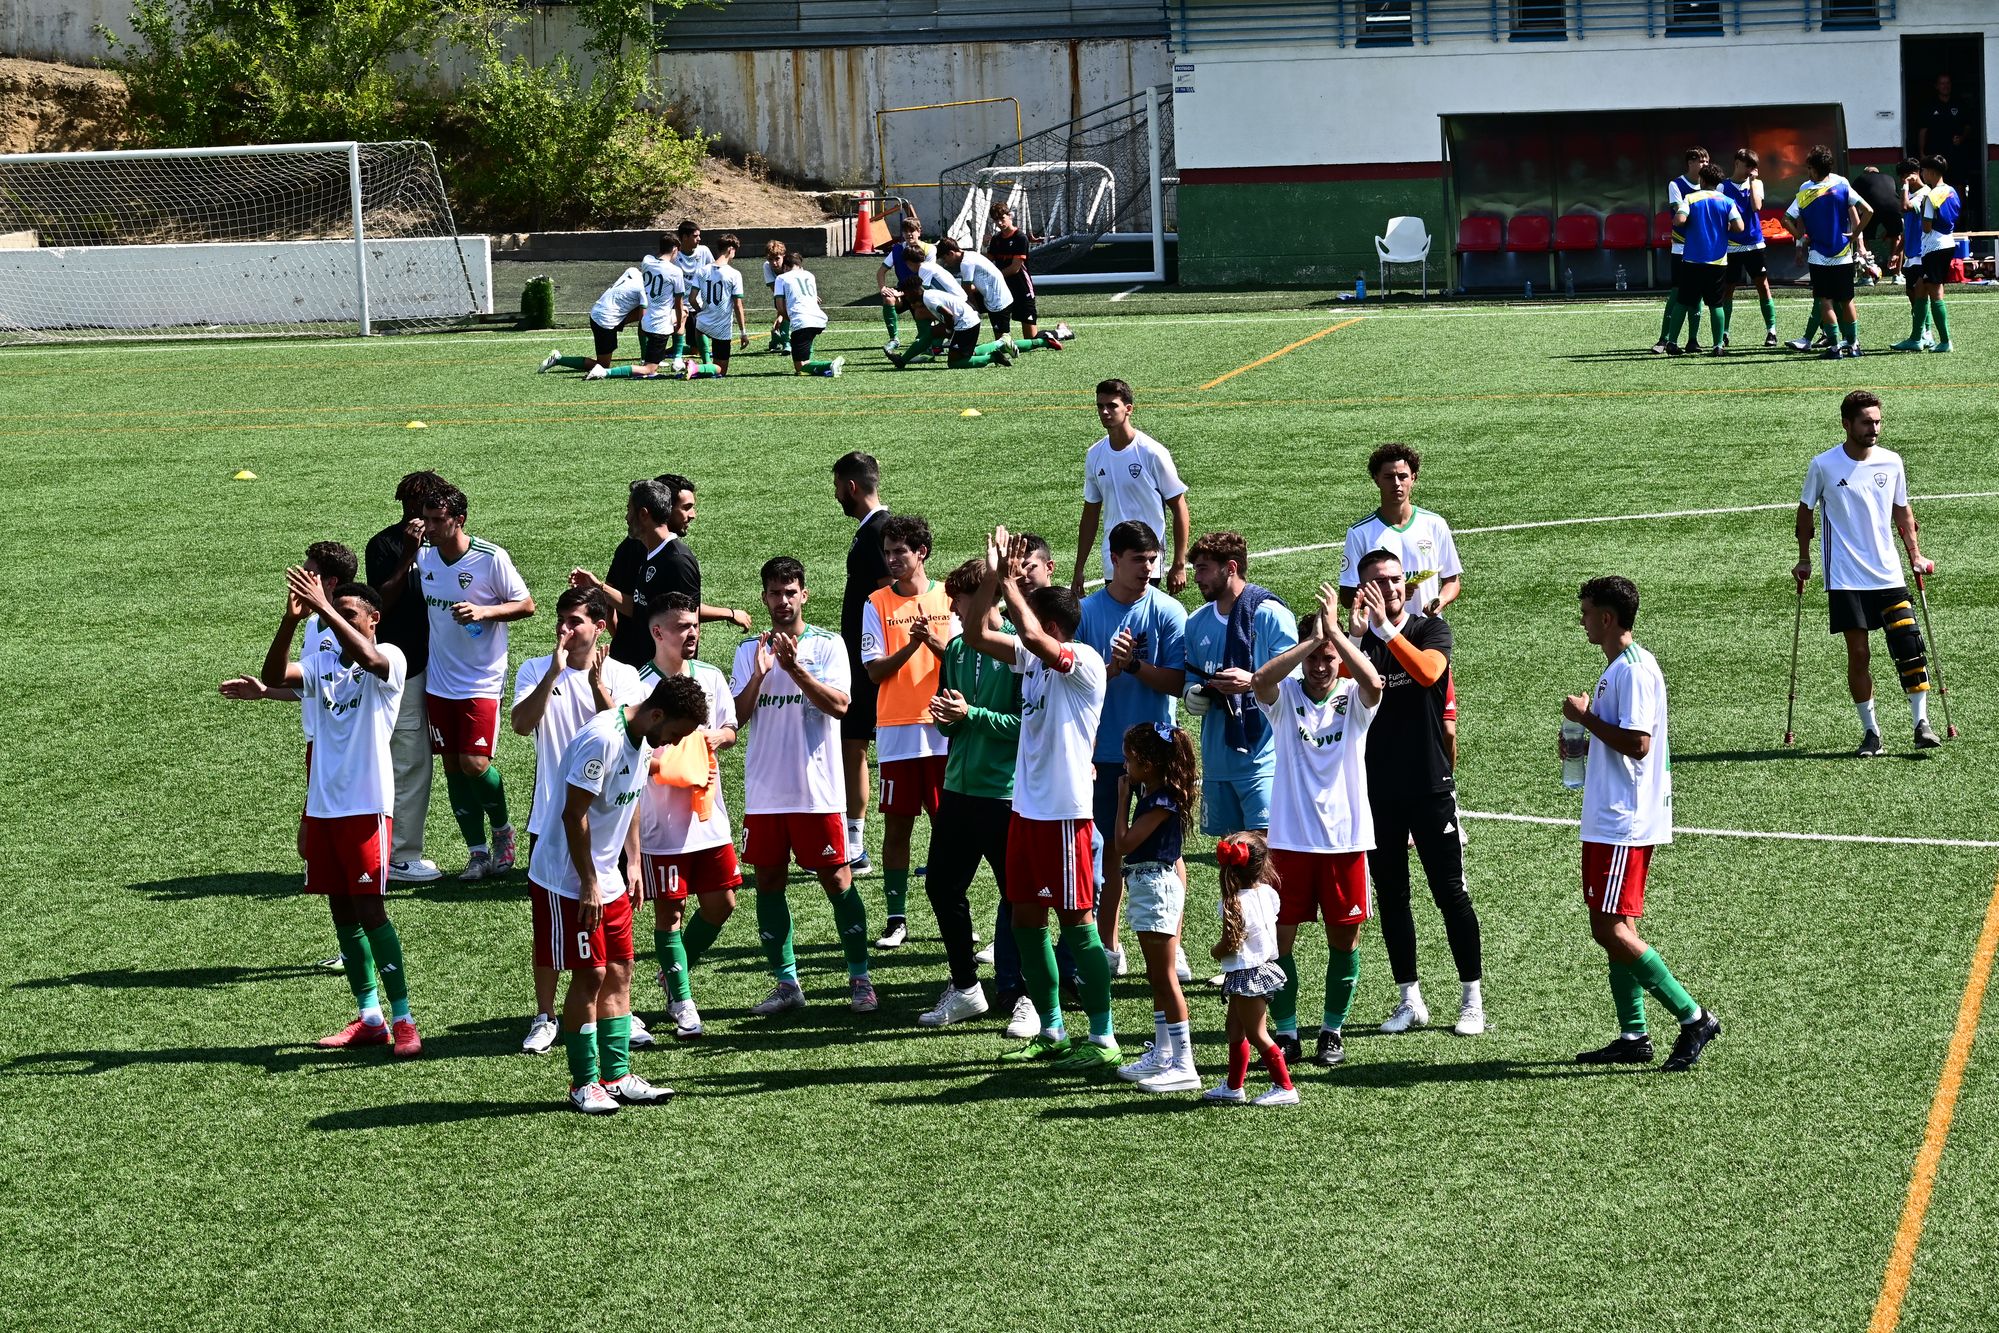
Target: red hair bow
1232,853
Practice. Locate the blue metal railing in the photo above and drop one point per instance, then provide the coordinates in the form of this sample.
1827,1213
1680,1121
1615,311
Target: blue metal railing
1368,24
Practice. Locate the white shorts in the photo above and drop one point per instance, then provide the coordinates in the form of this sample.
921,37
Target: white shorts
1154,898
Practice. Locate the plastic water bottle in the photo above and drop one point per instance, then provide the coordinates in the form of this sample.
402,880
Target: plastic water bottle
1530,291
1575,754
474,629
1623,282
1569,281
1360,286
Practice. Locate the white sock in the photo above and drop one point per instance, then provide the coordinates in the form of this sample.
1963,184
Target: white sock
1919,706
857,840
1180,1035
1865,708
1412,993
372,1016
1107,1040
1473,999
478,849
1161,1040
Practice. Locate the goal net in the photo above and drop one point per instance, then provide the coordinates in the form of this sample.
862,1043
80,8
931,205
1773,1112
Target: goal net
299,239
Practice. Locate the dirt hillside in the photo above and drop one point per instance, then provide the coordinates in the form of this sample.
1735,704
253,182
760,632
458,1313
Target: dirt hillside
47,108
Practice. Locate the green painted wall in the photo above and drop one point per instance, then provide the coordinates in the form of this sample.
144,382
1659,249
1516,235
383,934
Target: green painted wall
1316,232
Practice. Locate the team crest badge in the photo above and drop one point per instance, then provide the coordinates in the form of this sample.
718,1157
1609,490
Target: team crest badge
1880,480
1134,468
464,581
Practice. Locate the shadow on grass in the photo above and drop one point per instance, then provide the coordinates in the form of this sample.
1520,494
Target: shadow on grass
236,884
175,978
1793,752
404,1115
478,1040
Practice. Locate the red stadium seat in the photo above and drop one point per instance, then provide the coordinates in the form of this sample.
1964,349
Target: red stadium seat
1577,231
1774,230
1528,233
1624,231
1662,229
1479,234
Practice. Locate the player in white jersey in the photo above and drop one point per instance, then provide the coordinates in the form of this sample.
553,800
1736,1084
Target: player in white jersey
1048,842
691,256
1421,539
796,293
1627,811
780,329
1864,490
1321,827
620,303
472,591
983,282
659,325
792,687
720,313
932,276
684,839
554,696
1129,475
583,903
352,687
949,319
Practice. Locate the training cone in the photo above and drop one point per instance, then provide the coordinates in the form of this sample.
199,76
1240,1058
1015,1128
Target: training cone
245,475
971,412
416,425
864,231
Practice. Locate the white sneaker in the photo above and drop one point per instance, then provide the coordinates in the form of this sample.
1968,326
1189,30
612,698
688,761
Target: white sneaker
955,1006
895,936
984,957
641,1035
1222,1092
686,1020
1025,1022
548,362
596,373
1278,1097
679,365
1471,1021
591,1099
420,871
631,1090
1063,333
1173,1078
1153,1061
833,371
892,346
480,866
1116,958
541,1035
1181,968
1407,1014
785,995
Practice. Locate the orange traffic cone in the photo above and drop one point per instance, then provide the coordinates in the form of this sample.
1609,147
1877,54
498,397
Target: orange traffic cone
864,230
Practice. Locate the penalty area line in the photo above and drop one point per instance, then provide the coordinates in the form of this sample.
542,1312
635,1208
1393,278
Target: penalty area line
1781,835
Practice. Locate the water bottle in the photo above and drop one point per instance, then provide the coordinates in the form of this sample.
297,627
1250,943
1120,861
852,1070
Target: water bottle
1530,291
1569,281
1575,754
474,629
1623,283
1360,286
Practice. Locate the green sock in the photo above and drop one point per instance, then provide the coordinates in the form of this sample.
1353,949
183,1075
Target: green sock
889,321
1717,322
1342,979
1037,973
576,362
1630,998
850,914
707,370
1669,326
987,349
626,373
816,366
1284,1004
695,938
976,361
1727,315
672,956
359,965
387,948
895,888
1849,333
1652,975
1919,320
774,930
581,1047
614,1047
1940,318
465,807
490,790
1769,304
1812,326
925,342
679,348
697,345
1093,975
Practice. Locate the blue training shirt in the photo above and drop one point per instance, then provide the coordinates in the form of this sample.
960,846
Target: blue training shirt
1940,211
1823,207
1128,700
1708,213
1272,630
1677,189
1744,199
1912,226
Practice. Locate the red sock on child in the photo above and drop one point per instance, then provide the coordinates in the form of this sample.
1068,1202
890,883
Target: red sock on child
1280,1073
1239,1063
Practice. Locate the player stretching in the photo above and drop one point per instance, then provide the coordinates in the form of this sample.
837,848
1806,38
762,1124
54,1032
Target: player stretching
1831,216
692,257
1709,219
583,905
1677,189
1009,249
791,688
1748,260
472,591
1864,490
1628,811
614,309
955,323
897,272
780,329
659,326
721,313
798,310
1048,839
683,825
352,687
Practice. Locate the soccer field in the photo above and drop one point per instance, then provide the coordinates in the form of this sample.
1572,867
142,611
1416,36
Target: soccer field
178,1154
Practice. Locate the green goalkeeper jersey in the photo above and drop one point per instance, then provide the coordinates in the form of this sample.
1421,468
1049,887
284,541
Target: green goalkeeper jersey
981,757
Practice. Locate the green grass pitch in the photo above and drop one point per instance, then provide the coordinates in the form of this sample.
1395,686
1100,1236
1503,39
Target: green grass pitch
177,1155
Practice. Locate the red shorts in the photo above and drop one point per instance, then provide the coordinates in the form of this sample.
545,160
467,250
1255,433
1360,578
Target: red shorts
345,854
705,871
1450,697
1614,878
463,726
1048,863
560,941
1310,884
913,786
818,842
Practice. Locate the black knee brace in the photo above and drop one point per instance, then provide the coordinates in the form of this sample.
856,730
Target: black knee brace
1905,645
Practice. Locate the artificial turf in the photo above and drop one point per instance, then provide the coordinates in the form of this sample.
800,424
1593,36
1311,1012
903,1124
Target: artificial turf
177,1154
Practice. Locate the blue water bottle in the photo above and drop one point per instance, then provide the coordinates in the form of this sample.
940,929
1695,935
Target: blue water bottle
1360,286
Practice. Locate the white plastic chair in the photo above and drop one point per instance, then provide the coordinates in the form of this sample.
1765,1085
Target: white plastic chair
1407,242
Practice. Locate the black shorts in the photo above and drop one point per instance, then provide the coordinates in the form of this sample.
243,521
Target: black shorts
1023,307
1936,266
1002,322
718,350
964,342
1832,282
858,723
653,346
1861,609
1701,284
801,343
1746,266
606,339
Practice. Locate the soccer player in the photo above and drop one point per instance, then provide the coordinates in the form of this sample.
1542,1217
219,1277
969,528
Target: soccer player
1909,246
472,591
614,309
692,257
857,490
1747,259
1940,213
1864,490
954,322
774,265
583,904
797,295
1413,791
1009,248
1236,631
659,325
1320,698
684,838
1708,219
982,281
1829,215
554,697
1677,189
1048,838
898,271
904,628
1420,539
721,312
1141,634
1627,812
352,686
652,561
932,276
1129,475
390,562
792,688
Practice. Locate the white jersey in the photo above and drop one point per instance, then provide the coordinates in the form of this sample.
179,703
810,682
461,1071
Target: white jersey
934,277
691,263
721,287
1859,500
663,282
354,714
1424,545
793,765
1053,774
1259,903
604,761
311,632
1134,482
571,705
912,740
1629,802
770,276
954,309
985,278
1318,796
622,297
667,826
467,661
800,292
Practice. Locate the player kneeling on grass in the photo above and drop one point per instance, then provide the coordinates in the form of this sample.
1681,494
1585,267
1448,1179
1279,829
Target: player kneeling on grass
1628,811
1247,952
351,687
721,311
666,306
780,330
614,309
583,905
955,323
984,281
798,310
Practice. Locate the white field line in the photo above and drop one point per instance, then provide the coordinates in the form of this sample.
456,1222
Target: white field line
1780,835
1128,291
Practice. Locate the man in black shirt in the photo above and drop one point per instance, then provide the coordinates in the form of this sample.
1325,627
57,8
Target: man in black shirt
857,486
1009,249
652,561
387,562
1948,126
1413,792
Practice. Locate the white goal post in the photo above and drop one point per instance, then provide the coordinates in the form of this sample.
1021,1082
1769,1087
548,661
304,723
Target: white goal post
322,239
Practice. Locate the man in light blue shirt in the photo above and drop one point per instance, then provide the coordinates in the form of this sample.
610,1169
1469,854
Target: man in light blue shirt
1240,628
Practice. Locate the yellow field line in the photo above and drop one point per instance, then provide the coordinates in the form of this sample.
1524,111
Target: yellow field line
1266,360
1902,1259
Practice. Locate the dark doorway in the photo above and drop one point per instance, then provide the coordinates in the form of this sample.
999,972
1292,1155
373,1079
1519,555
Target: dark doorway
1961,58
